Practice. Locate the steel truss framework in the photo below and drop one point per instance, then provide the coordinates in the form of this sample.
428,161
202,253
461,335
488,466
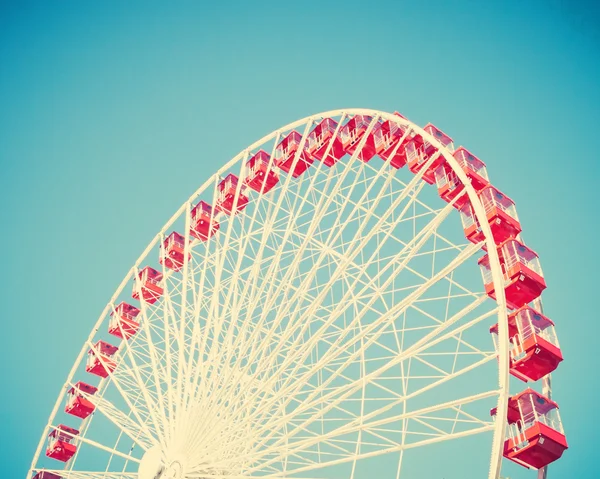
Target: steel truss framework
338,320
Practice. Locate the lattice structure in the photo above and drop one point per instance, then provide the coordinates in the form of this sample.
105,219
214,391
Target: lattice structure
325,313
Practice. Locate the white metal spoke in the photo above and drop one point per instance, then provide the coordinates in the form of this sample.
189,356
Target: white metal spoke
361,424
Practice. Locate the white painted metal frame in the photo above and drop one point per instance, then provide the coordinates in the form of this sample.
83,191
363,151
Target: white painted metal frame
150,360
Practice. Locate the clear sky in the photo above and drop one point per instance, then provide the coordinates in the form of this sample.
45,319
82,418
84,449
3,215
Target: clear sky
113,113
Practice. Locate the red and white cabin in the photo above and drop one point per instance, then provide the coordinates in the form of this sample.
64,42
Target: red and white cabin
77,404
102,363
124,323
523,276
60,443
318,142
534,348
149,282
260,177
419,151
387,138
204,224
352,133
535,435
226,201
46,475
285,153
450,186
474,168
501,214
172,251
439,135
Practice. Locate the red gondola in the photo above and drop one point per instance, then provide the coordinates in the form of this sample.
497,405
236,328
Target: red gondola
149,282
203,224
101,363
60,443
501,215
534,349
172,251
124,323
535,435
439,135
450,186
353,132
260,177
229,187
419,151
77,404
318,142
522,272
285,153
387,143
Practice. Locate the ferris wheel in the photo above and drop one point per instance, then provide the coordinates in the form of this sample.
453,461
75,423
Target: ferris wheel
316,310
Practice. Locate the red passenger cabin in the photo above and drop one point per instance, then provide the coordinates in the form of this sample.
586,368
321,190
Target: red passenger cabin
285,154
77,404
522,272
387,140
319,139
353,132
149,282
102,362
534,349
46,475
419,151
60,443
535,435
439,135
203,224
123,321
172,251
260,177
450,186
501,215
226,201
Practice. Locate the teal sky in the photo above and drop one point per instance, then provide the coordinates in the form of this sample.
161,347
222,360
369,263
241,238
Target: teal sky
113,113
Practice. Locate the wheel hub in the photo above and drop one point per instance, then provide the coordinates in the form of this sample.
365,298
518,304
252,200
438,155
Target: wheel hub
153,466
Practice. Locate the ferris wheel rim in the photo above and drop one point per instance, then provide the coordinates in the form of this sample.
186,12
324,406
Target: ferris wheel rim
470,191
